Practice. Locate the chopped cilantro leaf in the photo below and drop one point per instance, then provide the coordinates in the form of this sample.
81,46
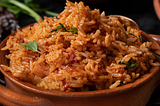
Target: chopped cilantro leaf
120,62
130,33
129,64
31,46
61,26
134,65
73,30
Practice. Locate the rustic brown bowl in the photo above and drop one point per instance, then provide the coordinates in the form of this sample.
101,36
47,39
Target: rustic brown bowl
21,93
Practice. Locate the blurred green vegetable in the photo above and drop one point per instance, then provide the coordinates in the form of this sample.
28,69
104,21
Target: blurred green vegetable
29,7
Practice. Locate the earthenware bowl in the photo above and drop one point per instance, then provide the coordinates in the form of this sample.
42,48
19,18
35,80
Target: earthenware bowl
21,93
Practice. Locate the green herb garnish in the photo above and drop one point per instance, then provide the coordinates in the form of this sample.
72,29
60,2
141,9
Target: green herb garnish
129,64
61,26
73,30
130,33
31,46
120,62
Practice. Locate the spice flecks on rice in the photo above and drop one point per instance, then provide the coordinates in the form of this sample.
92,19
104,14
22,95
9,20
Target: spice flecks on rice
80,50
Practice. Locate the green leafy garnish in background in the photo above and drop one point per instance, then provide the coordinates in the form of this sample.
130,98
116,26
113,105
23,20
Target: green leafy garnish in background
129,64
61,26
29,7
31,46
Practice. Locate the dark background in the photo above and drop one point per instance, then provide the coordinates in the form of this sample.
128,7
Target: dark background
142,11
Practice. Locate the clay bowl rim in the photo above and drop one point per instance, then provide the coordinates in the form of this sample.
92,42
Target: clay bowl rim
115,91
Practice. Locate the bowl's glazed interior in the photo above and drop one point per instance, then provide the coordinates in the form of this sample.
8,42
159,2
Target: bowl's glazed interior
132,94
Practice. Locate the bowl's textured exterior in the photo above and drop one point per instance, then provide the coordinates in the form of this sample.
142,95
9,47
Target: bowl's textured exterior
22,93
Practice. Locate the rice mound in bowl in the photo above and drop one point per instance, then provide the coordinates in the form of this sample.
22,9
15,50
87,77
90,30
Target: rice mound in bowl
80,50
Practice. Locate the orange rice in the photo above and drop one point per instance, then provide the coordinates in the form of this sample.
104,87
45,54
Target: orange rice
84,61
